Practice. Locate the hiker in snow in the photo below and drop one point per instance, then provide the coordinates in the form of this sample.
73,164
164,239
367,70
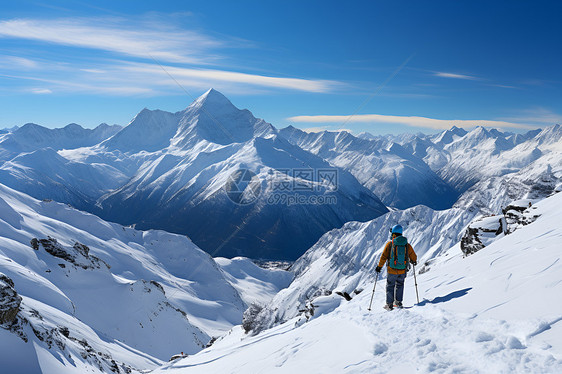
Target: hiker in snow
397,252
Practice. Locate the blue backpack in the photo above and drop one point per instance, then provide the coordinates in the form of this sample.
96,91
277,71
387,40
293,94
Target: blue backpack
399,254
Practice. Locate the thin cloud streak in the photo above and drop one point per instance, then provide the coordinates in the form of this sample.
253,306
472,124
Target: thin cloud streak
124,78
412,121
454,76
185,76
41,91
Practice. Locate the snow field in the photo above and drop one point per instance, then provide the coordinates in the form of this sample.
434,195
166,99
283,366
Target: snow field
481,314
352,340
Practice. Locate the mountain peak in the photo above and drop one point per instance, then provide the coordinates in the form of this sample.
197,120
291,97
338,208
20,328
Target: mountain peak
212,99
214,118
458,131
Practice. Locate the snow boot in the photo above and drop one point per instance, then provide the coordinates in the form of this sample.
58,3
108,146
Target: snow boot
388,307
398,304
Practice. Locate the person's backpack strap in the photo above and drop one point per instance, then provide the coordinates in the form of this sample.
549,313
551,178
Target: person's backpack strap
394,252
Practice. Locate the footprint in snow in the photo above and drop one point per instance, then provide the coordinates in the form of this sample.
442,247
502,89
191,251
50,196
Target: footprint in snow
514,343
380,348
423,342
482,337
495,346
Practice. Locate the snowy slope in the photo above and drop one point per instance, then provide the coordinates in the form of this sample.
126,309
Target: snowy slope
343,259
44,339
478,314
254,284
47,175
150,292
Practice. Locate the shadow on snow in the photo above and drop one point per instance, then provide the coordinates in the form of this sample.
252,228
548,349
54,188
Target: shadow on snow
449,297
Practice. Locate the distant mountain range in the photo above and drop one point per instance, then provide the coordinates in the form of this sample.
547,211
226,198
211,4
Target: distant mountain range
185,172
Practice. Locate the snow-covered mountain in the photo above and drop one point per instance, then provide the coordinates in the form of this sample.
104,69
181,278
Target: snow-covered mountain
399,178
465,158
31,137
95,295
497,311
183,163
190,197
211,117
174,171
170,170
46,174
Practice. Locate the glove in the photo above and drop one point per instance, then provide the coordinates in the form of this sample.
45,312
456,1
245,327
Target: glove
414,263
378,269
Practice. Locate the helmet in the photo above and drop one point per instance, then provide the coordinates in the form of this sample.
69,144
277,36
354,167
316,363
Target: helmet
396,229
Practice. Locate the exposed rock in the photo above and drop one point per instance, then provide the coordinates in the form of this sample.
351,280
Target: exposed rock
321,305
9,300
178,356
78,255
61,339
250,320
34,244
470,242
344,294
519,213
483,231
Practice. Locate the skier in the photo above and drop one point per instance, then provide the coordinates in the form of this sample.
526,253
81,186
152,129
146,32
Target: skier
397,252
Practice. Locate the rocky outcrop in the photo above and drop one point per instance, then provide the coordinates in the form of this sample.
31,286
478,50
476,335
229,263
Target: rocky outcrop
9,300
78,255
31,325
519,213
26,322
483,231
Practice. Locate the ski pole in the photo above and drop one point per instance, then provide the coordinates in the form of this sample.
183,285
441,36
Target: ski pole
373,294
416,283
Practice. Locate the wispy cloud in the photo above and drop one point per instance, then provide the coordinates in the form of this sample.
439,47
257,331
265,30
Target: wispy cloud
21,62
132,78
443,74
116,35
412,121
160,44
189,75
41,91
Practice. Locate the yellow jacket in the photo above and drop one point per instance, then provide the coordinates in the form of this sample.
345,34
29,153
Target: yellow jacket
386,255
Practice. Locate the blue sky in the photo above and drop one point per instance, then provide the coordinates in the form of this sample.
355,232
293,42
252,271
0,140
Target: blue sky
377,66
